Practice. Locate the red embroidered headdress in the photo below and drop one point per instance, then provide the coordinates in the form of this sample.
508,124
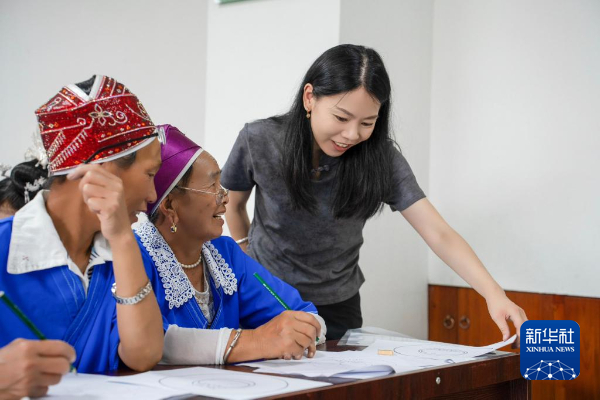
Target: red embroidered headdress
94,121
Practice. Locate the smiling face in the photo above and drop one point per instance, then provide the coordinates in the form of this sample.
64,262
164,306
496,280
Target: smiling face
198,214
138,179
341,121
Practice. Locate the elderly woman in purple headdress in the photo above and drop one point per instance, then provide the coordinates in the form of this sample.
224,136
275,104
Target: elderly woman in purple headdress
205,284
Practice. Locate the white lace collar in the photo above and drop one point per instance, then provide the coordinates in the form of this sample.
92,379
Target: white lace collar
178,288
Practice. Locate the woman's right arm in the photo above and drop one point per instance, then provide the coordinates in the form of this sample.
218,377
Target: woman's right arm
237,216
285,336
139,325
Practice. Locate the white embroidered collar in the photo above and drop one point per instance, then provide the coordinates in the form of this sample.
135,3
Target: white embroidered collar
178,288
35,244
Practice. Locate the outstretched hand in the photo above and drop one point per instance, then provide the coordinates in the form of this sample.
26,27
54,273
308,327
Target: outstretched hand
502,309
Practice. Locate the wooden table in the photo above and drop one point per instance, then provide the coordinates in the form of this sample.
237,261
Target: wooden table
496,376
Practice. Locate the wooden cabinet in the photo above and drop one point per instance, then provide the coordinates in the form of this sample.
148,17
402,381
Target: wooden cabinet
460,315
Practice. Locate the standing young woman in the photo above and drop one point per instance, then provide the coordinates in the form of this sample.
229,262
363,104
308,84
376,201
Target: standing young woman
321,171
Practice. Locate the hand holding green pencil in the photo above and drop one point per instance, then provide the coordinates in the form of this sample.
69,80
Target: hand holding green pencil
54,348
279,299
29,367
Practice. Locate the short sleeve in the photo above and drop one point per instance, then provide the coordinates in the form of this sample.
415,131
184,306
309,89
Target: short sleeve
238,171
405,190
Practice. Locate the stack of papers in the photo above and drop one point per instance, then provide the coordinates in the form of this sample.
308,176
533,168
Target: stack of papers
382,357
177,383
87,386
345,364
367,335
219,383
400,357
432,353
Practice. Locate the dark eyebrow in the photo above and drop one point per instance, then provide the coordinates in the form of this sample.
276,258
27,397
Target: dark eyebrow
215,174
352,115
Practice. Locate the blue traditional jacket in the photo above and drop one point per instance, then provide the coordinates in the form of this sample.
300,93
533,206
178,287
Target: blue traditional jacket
55,301
38,276
240,300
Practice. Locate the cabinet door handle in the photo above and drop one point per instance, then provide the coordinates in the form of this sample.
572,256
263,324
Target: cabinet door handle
448,322
464,322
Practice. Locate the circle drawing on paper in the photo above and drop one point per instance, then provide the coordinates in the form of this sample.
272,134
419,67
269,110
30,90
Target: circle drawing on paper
216,383
437,352
219,383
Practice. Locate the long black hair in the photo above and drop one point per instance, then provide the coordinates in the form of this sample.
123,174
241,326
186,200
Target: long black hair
12,188
364,174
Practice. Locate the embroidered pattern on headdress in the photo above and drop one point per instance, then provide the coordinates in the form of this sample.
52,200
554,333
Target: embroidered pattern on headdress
76,127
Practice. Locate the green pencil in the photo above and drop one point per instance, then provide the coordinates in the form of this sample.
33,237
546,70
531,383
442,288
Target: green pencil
279,299
25,320
22,316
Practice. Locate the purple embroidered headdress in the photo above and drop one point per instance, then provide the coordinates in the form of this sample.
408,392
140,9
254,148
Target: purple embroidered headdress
177,154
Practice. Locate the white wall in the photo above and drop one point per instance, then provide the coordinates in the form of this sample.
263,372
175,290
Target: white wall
394,258
515,139
157,49
258,52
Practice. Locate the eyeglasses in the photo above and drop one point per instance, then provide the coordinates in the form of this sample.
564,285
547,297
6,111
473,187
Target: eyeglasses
219,196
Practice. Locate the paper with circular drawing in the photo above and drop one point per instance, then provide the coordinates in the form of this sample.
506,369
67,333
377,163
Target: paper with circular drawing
427,351
220,383
368,363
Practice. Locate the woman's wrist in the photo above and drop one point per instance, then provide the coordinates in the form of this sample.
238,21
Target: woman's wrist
232,344
242,240
123,240
494,292
246,348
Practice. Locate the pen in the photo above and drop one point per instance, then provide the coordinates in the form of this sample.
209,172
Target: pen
279,299
25,320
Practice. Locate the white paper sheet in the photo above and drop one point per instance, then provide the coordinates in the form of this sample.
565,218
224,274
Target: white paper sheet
345,364
433,352
367,335
406,356
98,387
220,383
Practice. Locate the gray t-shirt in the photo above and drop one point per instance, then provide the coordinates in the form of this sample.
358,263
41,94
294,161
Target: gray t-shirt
315,253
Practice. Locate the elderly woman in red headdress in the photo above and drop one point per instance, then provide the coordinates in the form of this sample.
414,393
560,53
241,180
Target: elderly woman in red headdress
68,258
215,308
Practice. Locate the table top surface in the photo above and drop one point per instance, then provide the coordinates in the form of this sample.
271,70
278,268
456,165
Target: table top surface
494,368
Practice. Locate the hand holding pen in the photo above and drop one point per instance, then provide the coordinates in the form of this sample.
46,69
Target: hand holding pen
288,335
295,330
29,367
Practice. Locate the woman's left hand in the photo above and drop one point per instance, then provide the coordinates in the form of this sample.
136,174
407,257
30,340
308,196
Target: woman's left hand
502,309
